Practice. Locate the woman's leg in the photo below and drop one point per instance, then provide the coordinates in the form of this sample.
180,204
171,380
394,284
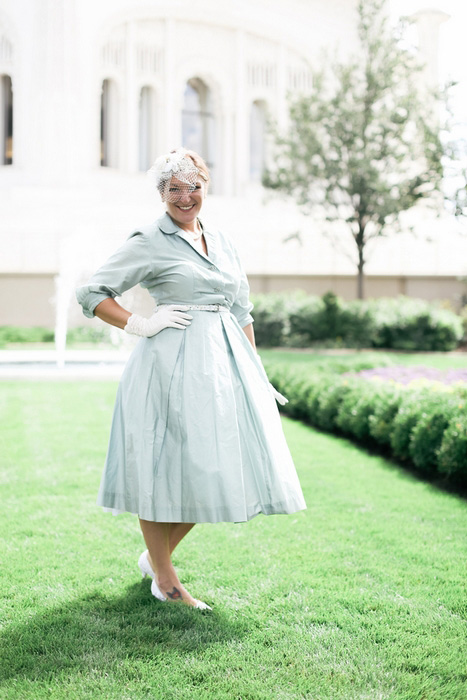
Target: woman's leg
177,532
159,541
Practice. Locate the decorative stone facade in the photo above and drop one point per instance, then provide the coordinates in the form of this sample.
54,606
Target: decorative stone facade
92,92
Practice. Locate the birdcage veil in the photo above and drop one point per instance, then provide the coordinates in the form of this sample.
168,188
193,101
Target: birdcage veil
174,175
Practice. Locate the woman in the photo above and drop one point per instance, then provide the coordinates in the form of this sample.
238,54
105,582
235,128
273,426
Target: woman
196,434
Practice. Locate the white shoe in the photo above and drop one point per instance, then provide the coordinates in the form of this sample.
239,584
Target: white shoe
146,570
155,590
145,566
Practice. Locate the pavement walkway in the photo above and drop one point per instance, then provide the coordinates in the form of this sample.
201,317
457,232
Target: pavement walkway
75,365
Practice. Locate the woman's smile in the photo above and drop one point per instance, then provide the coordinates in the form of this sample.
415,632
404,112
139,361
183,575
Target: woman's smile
185,209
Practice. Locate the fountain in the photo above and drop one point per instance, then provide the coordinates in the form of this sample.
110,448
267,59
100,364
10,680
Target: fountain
73,270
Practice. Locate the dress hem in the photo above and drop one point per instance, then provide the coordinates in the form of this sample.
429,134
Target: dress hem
193,516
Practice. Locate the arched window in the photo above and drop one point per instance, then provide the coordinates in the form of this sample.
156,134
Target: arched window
6,120
109,124
258,120
198,123
147,127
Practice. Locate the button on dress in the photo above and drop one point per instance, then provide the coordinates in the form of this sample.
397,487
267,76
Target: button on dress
196,435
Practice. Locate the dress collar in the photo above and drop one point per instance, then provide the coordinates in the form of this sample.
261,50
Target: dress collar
167,225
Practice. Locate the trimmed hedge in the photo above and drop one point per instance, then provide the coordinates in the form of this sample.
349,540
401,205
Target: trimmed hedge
16,334
37,334
414,324
403,323
271,319
424,429
298,320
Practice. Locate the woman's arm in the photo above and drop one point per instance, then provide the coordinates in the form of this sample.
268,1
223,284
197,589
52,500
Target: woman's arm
132,263
250,334
111,312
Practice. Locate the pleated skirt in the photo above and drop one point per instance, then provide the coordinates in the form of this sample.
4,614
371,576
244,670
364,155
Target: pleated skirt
196,435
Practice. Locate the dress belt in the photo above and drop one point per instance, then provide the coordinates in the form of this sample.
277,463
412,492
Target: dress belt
202,307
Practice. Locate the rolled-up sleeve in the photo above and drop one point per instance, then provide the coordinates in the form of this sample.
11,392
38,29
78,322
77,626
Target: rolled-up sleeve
127,267
242,305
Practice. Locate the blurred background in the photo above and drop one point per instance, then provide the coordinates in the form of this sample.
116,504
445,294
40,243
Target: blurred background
92,91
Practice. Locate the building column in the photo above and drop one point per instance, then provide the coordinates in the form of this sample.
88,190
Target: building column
281,94
428,23
227,153
50,108
242,117
130,104
172,121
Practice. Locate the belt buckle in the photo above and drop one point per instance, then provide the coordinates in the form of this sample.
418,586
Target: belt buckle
217,307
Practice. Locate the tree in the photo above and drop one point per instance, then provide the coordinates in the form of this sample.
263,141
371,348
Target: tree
364,146
453,137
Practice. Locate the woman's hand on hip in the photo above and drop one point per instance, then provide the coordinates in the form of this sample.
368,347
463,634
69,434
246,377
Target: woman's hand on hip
170,316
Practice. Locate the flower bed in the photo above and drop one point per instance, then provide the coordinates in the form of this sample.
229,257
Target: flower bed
417,377
418,417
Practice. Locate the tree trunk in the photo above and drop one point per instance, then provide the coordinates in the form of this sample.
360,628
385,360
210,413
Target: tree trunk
360,240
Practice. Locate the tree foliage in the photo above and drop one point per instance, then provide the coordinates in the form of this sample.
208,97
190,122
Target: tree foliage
453,137
364,146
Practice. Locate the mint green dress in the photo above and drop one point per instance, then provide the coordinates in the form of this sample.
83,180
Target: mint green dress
196,435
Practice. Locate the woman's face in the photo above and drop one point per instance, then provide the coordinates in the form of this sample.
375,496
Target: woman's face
182,205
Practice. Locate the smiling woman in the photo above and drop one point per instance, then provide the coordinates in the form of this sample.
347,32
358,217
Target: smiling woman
196,435
182,179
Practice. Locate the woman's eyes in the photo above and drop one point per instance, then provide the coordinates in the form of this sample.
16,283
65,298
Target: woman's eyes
192,188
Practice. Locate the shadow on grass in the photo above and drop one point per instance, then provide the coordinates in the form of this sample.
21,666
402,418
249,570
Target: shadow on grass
96,632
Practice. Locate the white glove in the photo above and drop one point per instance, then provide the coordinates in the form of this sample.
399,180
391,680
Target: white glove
170,316
277,395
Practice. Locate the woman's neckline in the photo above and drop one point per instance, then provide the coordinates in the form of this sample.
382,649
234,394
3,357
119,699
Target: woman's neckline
196,236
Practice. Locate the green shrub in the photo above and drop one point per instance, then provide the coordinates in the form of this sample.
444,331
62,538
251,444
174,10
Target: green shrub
386,406
271,318
357,325
298,320
463,318
452,455
89,334
427,434
305,322
297,390
314,391
289,382
420,427
36,334
330,321
329,401
17,334
356,409
404,422
414,324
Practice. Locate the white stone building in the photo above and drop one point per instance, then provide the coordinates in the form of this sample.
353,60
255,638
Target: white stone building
92,91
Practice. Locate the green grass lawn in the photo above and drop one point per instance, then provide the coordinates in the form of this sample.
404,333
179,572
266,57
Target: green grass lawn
362,596
440,360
